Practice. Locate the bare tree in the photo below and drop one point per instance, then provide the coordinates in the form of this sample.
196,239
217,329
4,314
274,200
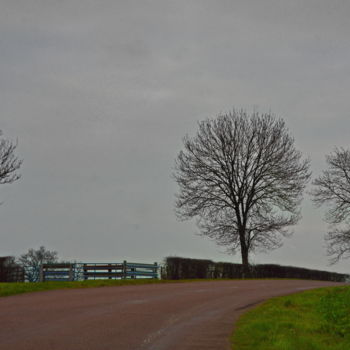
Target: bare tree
242,179
33,259
9,163
333,189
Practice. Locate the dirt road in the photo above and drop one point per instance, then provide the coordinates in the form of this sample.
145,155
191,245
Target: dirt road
186,316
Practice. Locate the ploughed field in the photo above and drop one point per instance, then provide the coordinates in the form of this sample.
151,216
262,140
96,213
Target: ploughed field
194,315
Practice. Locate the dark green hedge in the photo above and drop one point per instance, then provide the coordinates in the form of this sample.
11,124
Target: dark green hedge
185,268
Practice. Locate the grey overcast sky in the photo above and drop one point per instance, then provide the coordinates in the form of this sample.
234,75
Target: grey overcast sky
101,93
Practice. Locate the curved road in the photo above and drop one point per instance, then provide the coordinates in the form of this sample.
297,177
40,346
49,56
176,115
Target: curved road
186,316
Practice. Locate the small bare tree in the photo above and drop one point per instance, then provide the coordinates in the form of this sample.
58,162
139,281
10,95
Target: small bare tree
9,163
33,259
333,189
243,179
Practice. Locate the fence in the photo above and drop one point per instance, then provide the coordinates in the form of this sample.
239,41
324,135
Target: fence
94,271
119,270
57,272
99,271
134,270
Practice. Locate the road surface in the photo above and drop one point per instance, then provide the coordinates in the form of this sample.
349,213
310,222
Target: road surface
184,316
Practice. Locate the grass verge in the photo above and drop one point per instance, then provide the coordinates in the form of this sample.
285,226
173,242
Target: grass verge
311,320
8,289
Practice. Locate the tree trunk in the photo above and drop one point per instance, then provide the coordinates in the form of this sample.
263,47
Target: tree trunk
245,258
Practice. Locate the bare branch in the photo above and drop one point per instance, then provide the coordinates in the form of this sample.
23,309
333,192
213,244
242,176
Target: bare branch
9,163
338,242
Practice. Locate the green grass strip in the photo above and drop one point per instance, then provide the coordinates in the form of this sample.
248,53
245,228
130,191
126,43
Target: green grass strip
312,320
8,289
